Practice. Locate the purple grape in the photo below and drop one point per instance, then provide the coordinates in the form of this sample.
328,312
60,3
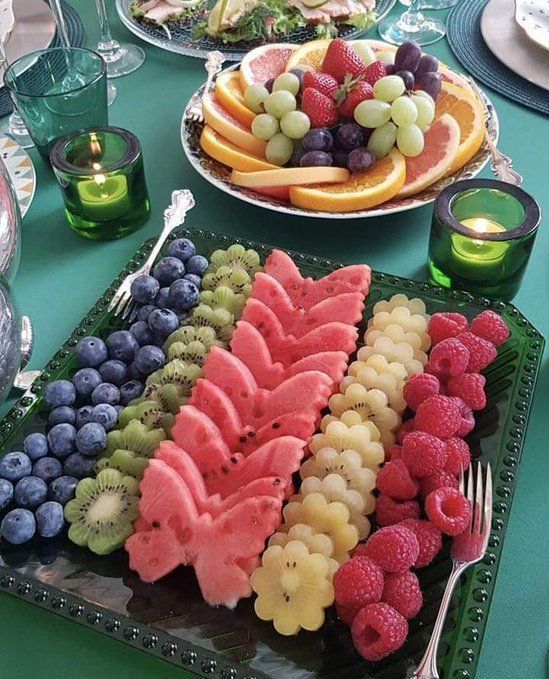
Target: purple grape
349,136
431,83
315,159
340,158
389,68
320,139
299,74
360,160
269,84
408,77
296,156
427,64
407,57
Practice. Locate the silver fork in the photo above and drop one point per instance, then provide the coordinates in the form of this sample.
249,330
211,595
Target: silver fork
213,64
467,549
174,216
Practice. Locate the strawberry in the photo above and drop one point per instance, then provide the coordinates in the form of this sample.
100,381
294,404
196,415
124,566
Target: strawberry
351,94
321,109
341,59
320,81
374,72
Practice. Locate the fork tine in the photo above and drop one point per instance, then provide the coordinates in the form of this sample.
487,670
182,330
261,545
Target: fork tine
477,513
487,505
470,495
122,304
133,314
461,480
115,300
129,308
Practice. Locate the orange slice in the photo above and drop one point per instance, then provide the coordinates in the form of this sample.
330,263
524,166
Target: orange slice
360,192
265,62
221,149
310,54
290,176
229,94
469,115
229,127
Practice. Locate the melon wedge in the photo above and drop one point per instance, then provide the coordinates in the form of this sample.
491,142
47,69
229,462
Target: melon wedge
221,149
231,128
291,176
228,91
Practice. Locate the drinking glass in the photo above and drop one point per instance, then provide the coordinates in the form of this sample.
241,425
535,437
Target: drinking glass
120,59
412,25
14,127
57,91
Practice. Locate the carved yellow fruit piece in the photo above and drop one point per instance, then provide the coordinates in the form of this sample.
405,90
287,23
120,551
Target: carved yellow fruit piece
360,438
316,543
378,373
420,343
399,352
415,305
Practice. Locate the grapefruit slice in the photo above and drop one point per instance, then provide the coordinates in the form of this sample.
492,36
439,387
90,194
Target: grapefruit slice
221,149
310,54
361,192
441,147
229,94
231,128
290,176
469,115
265,62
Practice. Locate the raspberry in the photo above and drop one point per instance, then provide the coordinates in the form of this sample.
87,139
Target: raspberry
358,582
481,351
444,325
429,538
449,358
439,416
393,452
449,510
403,593
378,630
420,387
423,454
395,481
405,428
469,387
491,327
467,418
347,615
459,456
441,479
389,512
394,548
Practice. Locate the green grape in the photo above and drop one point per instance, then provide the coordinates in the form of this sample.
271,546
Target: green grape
410,140
364,51
288,82
254,97
425,111
264,126
424,94
388,56
295,124
404,111
372,113
389,88
279,103
382,140
279,149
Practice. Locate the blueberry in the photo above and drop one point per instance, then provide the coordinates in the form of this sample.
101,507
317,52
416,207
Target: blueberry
119,409
168,270
60,393
114,372
144,289
30,492
62,415
183,295
161,300
36,445
85,380
129,391
197,264
193,278
49,519
83,415
6,493
78,465
18,526
106,393
143,313
141,331
105,415
133,372
47,468
91,352
182,248
122,346
91,439
62,489
162,322
61,439
150,358
15,466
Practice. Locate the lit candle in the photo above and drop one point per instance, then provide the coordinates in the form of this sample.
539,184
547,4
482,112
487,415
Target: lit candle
104,198
475,255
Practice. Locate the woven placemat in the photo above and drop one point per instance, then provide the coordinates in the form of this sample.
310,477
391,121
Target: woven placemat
77,37
466,42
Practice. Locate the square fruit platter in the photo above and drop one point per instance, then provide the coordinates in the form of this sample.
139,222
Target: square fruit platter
275,442
339,130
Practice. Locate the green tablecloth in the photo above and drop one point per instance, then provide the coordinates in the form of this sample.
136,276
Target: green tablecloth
61,275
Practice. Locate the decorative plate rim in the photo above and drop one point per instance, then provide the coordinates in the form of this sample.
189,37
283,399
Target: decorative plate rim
25,200
526,26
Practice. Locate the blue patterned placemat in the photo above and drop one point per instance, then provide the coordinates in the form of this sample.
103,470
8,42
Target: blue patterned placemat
466,42
77,37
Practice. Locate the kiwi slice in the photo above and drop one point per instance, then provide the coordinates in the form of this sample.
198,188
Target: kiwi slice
170,397
136,437
177,372
221,320
188,333
148,413
236,257
103,511
224,298
126,462
193,352
237,280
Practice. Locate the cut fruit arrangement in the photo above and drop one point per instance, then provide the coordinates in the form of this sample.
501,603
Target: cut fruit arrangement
345,127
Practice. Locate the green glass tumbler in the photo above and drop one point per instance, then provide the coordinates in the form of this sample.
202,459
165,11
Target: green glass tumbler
102,180
482,234
57,91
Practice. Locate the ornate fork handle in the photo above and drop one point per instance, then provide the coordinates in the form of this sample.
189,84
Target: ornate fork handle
213,65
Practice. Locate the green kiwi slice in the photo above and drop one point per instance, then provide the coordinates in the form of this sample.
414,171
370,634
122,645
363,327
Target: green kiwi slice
188,334
220,320
236,257
136,437
238,280
150,414
170,397
224,298
126,462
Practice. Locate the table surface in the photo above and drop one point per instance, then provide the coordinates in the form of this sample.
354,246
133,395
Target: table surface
61,275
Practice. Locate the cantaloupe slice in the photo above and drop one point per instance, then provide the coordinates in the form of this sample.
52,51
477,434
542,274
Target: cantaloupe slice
291,176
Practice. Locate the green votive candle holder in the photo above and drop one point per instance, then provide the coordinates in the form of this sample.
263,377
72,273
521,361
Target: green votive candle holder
482,234
100,171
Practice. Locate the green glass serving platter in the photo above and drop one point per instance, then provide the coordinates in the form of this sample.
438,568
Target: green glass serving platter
170,620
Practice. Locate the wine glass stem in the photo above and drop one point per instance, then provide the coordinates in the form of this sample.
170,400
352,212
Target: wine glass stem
60,21
412,18
107,47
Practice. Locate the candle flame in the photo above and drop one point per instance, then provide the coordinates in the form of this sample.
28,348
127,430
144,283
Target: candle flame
100,179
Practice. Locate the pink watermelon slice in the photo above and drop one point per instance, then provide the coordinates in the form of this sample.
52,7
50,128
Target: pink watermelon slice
306,292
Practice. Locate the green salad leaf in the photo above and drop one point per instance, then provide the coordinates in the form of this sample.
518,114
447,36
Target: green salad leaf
362,21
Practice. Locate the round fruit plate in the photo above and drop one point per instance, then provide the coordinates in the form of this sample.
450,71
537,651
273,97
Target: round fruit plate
219,174
182,40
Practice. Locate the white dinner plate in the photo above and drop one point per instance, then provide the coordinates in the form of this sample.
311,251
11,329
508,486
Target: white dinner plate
533,17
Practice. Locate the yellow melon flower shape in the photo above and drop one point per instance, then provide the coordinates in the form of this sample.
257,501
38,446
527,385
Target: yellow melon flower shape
362,438
399,316
399,352
347,465
316,543
415,305
419,342
379,374
293,588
